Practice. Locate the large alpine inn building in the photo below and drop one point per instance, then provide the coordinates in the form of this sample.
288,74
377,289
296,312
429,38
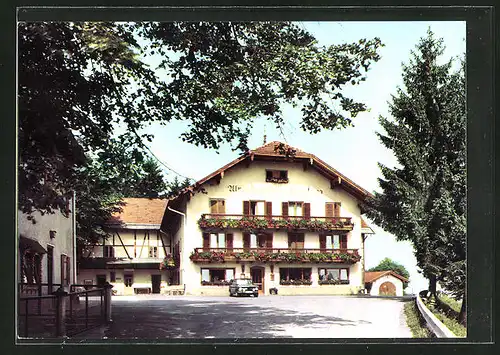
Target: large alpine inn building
277,215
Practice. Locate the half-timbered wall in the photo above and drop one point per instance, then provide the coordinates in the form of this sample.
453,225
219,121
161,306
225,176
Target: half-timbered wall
133,243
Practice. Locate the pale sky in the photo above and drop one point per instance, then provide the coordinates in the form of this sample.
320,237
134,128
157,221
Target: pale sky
354,151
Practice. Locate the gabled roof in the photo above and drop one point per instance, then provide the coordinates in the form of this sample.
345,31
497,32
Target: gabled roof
371,276
271,151
140,211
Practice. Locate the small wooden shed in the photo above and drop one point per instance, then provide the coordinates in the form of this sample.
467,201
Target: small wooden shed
384,283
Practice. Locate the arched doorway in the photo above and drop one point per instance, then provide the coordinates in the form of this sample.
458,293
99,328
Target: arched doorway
387,289
257,274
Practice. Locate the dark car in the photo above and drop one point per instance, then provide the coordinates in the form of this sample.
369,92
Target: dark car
243,287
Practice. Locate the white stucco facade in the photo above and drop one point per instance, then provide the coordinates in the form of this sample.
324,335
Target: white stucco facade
387,278
247,182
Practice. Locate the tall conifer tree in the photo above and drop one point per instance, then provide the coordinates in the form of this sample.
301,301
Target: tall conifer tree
423,198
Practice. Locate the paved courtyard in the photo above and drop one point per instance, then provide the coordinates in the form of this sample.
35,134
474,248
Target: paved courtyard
171,317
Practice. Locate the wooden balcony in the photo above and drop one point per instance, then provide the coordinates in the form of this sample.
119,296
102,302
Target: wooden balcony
275,255
260,222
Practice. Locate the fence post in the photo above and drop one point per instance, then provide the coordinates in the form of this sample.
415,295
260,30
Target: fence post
108,291
61,312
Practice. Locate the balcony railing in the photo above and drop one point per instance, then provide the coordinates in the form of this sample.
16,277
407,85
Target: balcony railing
256,222
275,255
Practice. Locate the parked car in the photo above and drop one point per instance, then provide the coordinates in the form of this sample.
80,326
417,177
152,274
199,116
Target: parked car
243,287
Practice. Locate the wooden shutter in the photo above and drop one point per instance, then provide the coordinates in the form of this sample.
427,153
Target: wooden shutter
68,270
284,209
206,241
300,241
269,209
306,211
246,241
246,208
229,241
329,209
322,243
336,209
343,241
63,269
222,206
213,206
269,241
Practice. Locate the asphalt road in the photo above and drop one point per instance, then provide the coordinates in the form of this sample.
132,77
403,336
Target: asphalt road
173,317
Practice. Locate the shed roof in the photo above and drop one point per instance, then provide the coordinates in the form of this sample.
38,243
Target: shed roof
371,276
144,211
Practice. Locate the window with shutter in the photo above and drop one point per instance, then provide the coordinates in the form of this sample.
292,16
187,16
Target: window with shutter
217,206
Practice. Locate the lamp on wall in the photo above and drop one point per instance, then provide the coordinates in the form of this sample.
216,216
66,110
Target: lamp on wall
52,234
242,268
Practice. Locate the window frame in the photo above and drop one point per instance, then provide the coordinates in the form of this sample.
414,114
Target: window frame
212,281
287,278
277,175
153,251
106,250
217,200
126,277
294,205
333,268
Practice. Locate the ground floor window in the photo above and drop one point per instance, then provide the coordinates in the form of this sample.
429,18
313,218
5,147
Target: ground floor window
295,276
216,276
128,279
333,275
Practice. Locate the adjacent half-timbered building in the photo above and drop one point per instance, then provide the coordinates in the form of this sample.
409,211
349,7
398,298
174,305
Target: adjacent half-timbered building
133,255
276,214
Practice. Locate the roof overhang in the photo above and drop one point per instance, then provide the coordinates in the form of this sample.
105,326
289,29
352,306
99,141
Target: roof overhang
336,178
32,244
133,226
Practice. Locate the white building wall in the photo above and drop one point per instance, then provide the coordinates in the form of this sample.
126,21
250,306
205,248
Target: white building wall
63,243
387,278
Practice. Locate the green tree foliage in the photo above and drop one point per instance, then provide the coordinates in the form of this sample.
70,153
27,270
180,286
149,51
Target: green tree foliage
151,182
79,81
423,199
176,186
387,264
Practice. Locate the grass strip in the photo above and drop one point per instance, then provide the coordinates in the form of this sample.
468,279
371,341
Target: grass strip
454,304
458,329
415,322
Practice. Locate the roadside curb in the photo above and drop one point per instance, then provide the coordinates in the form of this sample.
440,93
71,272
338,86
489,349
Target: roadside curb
434,324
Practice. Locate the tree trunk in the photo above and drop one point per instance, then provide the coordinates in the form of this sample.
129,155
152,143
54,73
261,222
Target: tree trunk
462,317
432,285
